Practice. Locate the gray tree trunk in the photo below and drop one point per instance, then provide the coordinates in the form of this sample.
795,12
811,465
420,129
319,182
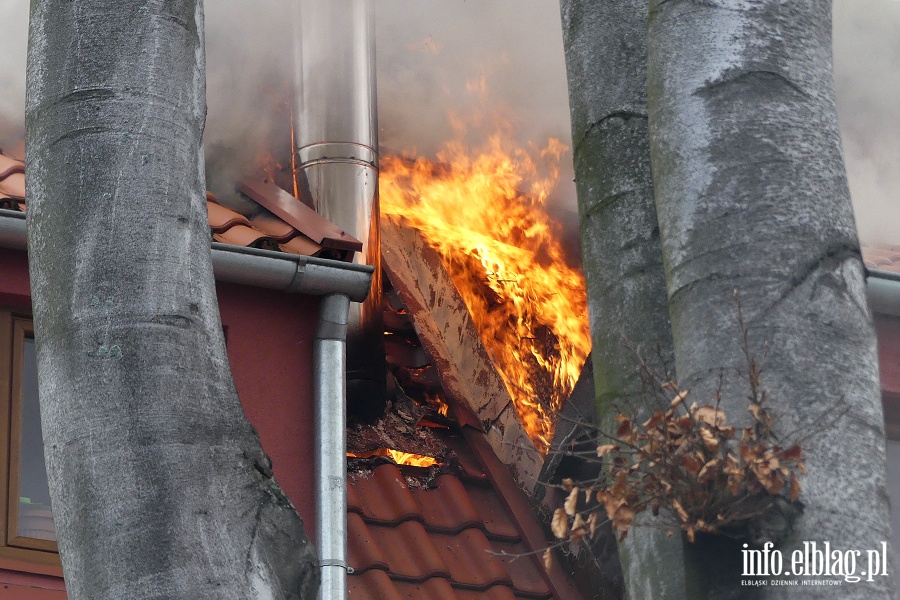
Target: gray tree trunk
751,193
606,54
160,488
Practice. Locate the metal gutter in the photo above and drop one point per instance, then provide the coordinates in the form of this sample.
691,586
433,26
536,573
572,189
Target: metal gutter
883,292
12,229
290,272
249,266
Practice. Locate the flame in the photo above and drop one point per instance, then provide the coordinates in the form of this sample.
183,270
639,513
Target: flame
437,402
484,212
401,458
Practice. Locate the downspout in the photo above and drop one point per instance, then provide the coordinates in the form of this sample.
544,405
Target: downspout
336,158
329,392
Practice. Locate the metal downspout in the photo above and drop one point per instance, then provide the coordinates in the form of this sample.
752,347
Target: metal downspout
329,391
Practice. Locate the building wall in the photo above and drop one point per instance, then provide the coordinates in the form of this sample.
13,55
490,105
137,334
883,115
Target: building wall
269,337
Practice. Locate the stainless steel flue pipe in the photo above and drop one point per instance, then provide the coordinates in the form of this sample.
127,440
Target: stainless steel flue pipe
336,133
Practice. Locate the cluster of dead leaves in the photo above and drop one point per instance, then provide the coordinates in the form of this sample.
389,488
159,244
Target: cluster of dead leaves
685,461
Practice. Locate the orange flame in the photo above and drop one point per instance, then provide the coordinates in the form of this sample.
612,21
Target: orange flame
502,251
401,458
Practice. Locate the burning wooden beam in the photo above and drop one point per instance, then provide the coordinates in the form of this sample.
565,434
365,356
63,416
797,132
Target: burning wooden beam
445,329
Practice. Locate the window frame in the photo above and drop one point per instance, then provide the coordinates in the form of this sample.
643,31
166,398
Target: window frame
15,327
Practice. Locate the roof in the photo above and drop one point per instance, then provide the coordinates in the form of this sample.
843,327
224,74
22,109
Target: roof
882,258
454,532
297,230
12,183
457,538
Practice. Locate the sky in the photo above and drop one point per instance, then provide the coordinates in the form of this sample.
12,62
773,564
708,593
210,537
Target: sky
488,59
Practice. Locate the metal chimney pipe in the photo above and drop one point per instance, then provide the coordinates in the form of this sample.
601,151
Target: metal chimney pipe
336,133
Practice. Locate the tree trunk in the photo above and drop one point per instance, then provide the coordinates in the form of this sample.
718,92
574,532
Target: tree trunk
751,194
160,488
606,54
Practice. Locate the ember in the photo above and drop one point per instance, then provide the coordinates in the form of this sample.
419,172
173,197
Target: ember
503,253
401,458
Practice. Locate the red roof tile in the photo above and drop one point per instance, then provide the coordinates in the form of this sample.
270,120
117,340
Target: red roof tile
221,218
262,230
385,498
883,258
273,227
12,181
242,235
299,216
443,542
410,550
451,510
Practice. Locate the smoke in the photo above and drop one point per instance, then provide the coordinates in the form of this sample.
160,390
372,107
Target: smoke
249,60
867,82
498,61
13,44
485,65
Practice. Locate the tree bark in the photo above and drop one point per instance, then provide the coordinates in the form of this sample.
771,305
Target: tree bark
606,61
159,486
752,194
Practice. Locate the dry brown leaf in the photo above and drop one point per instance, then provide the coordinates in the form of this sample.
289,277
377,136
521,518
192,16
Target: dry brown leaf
710,415
623,517
560,524
691,464
708,471
606,449
795,489
654,419
592,522
571,502
754,410
709,440
579,528
678,399
793,453
548,559
679,510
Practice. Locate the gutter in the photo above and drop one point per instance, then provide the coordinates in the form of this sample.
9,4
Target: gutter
12,229
250,266
290,273
339,283
329,400
883,291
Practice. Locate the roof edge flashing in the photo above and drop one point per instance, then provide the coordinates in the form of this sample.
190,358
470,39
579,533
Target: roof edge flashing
249,266
883,292
12,230
290,272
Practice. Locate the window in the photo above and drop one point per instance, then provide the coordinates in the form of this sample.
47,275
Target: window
26,520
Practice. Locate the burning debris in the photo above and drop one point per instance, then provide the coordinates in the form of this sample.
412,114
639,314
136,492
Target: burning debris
503,254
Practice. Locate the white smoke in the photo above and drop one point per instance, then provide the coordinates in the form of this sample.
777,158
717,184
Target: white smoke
429,51
867,82
13,44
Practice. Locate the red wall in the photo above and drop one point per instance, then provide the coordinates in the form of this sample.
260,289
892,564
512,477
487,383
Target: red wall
888,328
15,290
269,336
